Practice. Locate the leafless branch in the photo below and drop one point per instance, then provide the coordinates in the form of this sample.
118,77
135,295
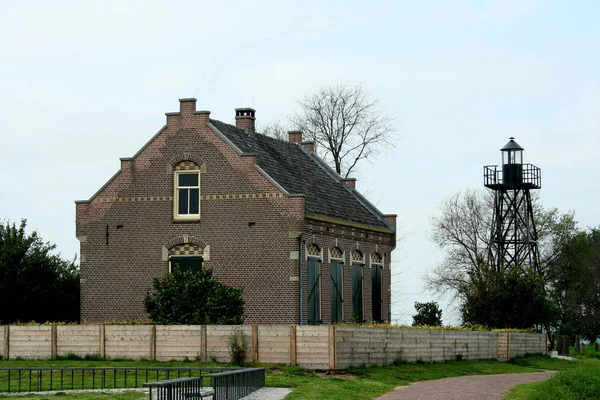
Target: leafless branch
346,125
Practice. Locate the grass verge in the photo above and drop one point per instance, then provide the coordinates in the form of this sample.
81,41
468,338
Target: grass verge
578,380
353,383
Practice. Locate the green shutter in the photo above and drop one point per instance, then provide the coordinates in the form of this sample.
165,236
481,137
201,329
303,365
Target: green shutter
336,291
186,263
314,290
376,272
357,291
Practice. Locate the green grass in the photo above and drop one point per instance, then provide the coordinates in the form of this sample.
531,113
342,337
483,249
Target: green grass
367,383
578,380
353,383
75,380
590,351
129,395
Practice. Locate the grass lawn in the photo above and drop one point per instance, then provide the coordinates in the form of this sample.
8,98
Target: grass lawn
354,383
576,380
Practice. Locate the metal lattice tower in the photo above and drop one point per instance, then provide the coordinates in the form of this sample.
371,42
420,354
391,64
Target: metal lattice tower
513,238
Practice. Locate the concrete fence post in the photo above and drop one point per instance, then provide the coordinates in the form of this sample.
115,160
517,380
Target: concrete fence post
53,341
6,352
102,341
203,344
255,356
153,342
332,347
507,346
293,356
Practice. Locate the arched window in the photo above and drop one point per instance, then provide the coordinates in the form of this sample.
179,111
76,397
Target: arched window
185,257
376,285
336,261
186,181
314,284
358,266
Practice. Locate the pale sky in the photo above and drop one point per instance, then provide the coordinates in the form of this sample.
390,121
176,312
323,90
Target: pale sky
83,83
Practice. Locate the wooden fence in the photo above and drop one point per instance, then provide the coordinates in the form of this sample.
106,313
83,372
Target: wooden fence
314,347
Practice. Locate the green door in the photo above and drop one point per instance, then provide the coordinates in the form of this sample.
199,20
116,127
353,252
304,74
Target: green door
314,290
357,291
376,271
336,291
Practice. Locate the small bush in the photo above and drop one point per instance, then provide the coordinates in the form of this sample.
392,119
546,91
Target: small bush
237,347
399,359
92,357
459,357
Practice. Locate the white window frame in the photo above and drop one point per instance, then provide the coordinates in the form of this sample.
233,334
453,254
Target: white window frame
176,188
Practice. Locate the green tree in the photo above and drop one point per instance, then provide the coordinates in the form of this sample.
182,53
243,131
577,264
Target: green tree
35,284
575,288
512,298
194,297
428,314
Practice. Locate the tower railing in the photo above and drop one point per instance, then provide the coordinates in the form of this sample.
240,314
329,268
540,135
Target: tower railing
531,176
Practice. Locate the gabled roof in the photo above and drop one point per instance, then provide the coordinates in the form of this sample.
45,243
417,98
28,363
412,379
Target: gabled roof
300,172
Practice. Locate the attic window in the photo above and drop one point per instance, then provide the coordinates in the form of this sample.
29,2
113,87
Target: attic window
187,191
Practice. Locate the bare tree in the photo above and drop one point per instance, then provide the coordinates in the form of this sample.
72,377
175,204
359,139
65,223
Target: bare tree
345,124
275,130
463,229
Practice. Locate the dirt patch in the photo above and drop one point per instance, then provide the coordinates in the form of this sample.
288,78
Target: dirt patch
340,375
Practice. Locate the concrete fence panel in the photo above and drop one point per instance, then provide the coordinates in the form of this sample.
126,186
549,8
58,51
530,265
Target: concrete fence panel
176,342
217,338
30,342
78,339
274,344
312,346
128,341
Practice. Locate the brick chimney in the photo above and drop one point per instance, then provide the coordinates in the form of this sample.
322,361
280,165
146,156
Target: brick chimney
390,219
350,182
244,118
295,136
309,146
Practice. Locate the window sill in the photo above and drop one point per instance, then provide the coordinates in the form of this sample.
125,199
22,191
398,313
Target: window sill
186,221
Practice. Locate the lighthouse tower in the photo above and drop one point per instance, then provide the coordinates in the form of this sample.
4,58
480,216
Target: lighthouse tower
513,239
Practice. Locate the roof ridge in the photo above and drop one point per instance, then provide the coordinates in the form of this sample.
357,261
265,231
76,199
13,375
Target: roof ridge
242,130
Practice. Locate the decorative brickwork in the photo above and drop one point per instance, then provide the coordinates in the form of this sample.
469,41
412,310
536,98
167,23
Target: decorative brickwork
336,254
187,166
357,256
376,258
313,251
186,250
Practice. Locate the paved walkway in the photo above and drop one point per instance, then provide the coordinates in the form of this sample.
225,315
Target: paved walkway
475,387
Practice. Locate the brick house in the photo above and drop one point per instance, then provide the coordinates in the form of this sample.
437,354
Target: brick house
263,213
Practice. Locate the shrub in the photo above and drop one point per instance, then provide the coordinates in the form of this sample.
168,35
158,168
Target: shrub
194,297
237,347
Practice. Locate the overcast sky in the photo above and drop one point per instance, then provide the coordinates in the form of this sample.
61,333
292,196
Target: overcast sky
83,83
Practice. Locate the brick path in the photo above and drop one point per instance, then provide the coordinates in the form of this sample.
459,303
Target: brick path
475,387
